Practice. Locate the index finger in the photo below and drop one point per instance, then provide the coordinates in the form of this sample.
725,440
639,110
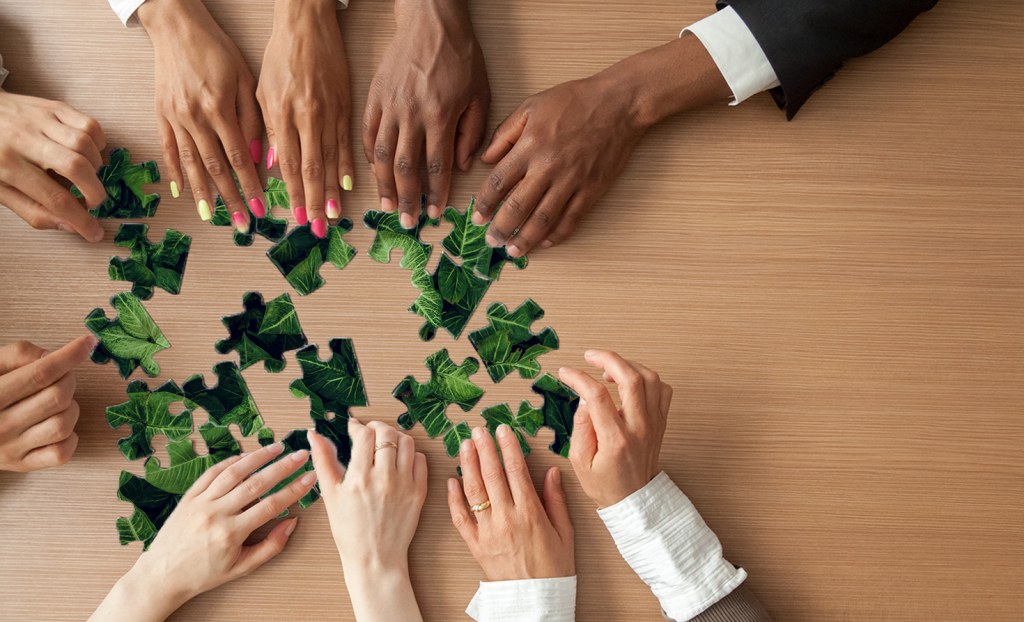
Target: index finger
38,375
519,482
69,116
631,383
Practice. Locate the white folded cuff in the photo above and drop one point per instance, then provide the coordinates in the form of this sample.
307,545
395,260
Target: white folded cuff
126,9
528,600
3,72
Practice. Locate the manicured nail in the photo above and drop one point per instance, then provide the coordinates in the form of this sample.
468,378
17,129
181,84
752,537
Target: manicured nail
174,190
98,236
300,215
556,477
308,478
255,150
386,205
204,210
256,205
407,220
491,240
514,251
300,456
291,527
243,454
346,183
319,227
547,244
241,221
275,448
270,158
333,211
466,444
582,403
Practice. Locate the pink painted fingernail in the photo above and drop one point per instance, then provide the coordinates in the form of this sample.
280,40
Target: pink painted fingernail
255,150
241,221
270,159
300,215
319,227
386,205
333,211
256,205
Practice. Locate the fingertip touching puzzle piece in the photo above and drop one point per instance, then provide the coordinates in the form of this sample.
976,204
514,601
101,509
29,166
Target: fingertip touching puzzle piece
124,181
508,344
300,255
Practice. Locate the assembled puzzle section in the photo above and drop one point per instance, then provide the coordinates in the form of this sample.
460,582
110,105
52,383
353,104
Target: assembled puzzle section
147,413
228,402
427,401
269,226
124,181
300,255
448,298
263,332
130,340
560,404
150,265
469,241
508,344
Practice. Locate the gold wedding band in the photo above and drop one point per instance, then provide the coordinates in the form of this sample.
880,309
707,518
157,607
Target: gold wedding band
384,445
480,507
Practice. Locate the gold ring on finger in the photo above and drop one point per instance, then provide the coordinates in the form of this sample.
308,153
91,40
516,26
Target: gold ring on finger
384,445
480,507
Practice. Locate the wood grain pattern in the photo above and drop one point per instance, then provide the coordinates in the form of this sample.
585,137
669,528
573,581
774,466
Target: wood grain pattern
838,302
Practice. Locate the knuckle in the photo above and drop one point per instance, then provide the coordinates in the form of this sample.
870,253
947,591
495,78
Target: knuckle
496,182
330,154
459,520
290,166
633,379
187,157
407,204
39,222
382,153
81,140
515,467
494,476
252,487
436,167
22,349
312,170
473,490
404,168
238,159
214,166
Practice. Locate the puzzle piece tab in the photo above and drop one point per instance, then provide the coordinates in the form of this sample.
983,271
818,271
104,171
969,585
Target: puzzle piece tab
333,385
270,226
124,181
391,234
448,298
508,344
468,241
300,255
427,401
229,402
148,413
560,404
130,340
150,265
263,332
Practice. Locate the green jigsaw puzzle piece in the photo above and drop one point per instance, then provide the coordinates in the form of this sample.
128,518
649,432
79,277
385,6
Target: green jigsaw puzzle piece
229,402
391,234
560,404
130,340
448,298
263,332
427,401
152,507
300,255
508,344
148,413
270,226
469,242
527,420
150,265
296,440
454,436
124,181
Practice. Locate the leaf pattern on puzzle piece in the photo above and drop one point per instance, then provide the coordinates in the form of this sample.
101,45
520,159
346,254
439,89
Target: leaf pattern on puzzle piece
271,227
427,402
300,255
185,465
454,436
124,181
293,442
229,402
527,420
152,507
130,340
150,265
391,234
333,385
468,241
263,332
147,413
448,298
560,404
508,344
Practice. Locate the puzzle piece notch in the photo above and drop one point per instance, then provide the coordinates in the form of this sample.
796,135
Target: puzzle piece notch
229,402
150,265
508,344
263,332
269,226
448,298
469,241
130,340
391,234
560,404
449,384
300,255
124,181
147,413
333,385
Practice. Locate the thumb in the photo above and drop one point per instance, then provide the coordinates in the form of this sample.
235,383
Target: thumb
505,137
470,132
252,557
555,505
325,461
583,445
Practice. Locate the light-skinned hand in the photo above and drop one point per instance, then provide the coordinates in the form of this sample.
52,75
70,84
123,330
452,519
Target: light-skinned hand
517,537
38,411
615,450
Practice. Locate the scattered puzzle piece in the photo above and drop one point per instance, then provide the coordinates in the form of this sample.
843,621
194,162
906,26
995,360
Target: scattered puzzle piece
300,254
148,414
263,332
229,402
185,465
528,419
124,181
468,241
333,385
454,436
152,507
560,404
509,345
447,298
270,226
150,265
427,402
130,340
391,234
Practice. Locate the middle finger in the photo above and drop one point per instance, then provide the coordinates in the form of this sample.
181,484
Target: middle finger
257,484
212,155
407,174
491,470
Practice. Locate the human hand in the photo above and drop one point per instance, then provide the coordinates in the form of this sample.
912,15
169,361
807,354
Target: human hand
374,508
305,96
515,537
430,89
615,451
38,411
206,108
37,135
202,544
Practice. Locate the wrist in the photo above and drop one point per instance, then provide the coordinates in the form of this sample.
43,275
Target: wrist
162,17
367,581
300,13
450,15
155,595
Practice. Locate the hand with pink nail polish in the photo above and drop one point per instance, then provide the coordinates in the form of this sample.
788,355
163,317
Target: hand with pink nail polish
430,93
37,135
202,544
305,97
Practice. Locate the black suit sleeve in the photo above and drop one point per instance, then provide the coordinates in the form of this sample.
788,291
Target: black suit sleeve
807,40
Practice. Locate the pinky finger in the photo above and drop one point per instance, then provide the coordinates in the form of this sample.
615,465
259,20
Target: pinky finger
53,455
169,147
254,556
571,218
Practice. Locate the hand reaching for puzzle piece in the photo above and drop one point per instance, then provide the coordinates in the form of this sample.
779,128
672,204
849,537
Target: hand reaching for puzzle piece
38,411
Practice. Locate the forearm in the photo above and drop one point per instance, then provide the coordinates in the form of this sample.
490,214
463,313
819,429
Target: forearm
133,599
452,15
382,595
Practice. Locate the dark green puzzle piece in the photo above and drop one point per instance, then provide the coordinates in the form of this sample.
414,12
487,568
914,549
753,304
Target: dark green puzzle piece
508,344
333,385
527,420
560,404
229,402
124,181
427,402
152,507
130,340
447,298
391,234
147,413
300,254
185,465
270,226
296,440
150,265
263,332
469,242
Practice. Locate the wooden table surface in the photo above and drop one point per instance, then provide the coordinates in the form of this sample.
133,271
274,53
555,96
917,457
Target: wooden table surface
838,302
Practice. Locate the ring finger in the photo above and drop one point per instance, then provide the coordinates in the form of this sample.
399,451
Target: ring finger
385,448
472,480
217,166
191,161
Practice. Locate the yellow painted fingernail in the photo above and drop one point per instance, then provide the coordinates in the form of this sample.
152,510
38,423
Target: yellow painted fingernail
204,210
346,182
174,190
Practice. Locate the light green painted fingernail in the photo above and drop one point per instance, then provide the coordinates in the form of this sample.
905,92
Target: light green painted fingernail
204,210
174,190
346,182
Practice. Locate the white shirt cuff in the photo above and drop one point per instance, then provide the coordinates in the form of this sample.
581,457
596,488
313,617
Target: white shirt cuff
126,9
3,72
736,52
663,538
529,600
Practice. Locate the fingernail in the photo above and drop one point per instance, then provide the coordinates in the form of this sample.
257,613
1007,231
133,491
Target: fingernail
557,477
433,211
452,486
256,205
243,454
308,478
241,221
291,527
351,418
478,433
491,240
204,210
504,430
92,341
300,215
583,403
98,236
255,150
386,205
478,218
270,158
547,244
466,444
407,220
346,183
174,190
333,211
319,227
513,250
588,353
275,448
300,456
